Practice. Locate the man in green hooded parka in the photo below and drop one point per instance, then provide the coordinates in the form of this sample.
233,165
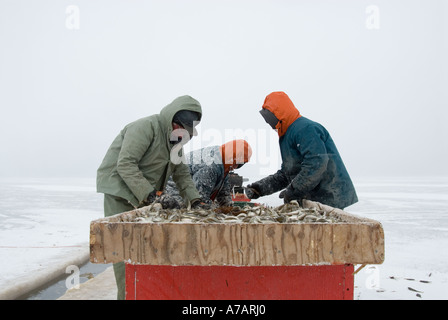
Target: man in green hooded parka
140,161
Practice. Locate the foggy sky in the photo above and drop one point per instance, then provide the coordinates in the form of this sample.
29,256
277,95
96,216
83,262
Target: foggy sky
66,92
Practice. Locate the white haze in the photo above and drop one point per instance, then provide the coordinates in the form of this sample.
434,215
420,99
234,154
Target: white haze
65,92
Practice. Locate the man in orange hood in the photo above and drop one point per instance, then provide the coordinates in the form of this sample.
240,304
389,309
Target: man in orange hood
209,168
311,165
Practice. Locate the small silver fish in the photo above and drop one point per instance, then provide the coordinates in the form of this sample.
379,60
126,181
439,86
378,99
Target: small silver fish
286,213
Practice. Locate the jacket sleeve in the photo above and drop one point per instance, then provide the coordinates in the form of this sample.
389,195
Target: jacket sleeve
311,146
184,182
224,197
205,180
272,183
136,141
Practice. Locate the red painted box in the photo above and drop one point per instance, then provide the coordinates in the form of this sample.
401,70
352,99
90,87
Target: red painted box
326,282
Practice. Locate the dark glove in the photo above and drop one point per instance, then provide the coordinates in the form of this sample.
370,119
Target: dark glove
151,197
253,191
198,204
169,202
288,194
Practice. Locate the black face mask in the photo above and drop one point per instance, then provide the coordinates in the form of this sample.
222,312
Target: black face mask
187,119
269,117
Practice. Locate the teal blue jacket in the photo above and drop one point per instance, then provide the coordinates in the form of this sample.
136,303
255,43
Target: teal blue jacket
311,167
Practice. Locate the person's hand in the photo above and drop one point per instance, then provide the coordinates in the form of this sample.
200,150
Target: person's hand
151,197
169,202
253,191
288,194
154,196
198,204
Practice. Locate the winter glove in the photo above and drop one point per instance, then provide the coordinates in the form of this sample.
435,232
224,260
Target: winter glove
169,202
226,202
253,191
198,204
288,194
151,197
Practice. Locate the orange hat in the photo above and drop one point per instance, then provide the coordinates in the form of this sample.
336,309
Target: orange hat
283,108
235,153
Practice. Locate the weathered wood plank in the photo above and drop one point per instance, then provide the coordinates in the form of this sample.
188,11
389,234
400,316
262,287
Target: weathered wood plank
356,241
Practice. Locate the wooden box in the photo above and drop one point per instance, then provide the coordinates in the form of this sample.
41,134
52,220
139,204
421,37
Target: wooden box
354,240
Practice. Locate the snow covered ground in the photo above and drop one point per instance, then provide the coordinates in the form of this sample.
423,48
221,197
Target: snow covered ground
414,215
45,229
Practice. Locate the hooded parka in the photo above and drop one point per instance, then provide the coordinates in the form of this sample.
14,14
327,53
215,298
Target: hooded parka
209,168
311,165
139,159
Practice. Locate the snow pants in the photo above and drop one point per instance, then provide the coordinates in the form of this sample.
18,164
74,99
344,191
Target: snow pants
114,205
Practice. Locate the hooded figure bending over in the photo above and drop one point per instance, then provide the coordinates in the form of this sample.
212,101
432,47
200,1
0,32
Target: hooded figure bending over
209,169
311,165
138,163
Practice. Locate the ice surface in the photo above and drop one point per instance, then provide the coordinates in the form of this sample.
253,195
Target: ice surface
414,215
46,223
45,226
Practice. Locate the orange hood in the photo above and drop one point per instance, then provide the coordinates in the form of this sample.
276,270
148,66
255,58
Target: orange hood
283,108
235,152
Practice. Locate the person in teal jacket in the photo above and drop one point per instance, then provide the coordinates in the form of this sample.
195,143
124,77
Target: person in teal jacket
311,165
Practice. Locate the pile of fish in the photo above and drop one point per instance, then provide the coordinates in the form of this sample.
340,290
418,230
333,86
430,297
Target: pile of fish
287,213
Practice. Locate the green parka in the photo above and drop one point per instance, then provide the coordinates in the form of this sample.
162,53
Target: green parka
138,161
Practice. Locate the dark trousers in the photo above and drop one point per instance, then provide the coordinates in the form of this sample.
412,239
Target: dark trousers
114,205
